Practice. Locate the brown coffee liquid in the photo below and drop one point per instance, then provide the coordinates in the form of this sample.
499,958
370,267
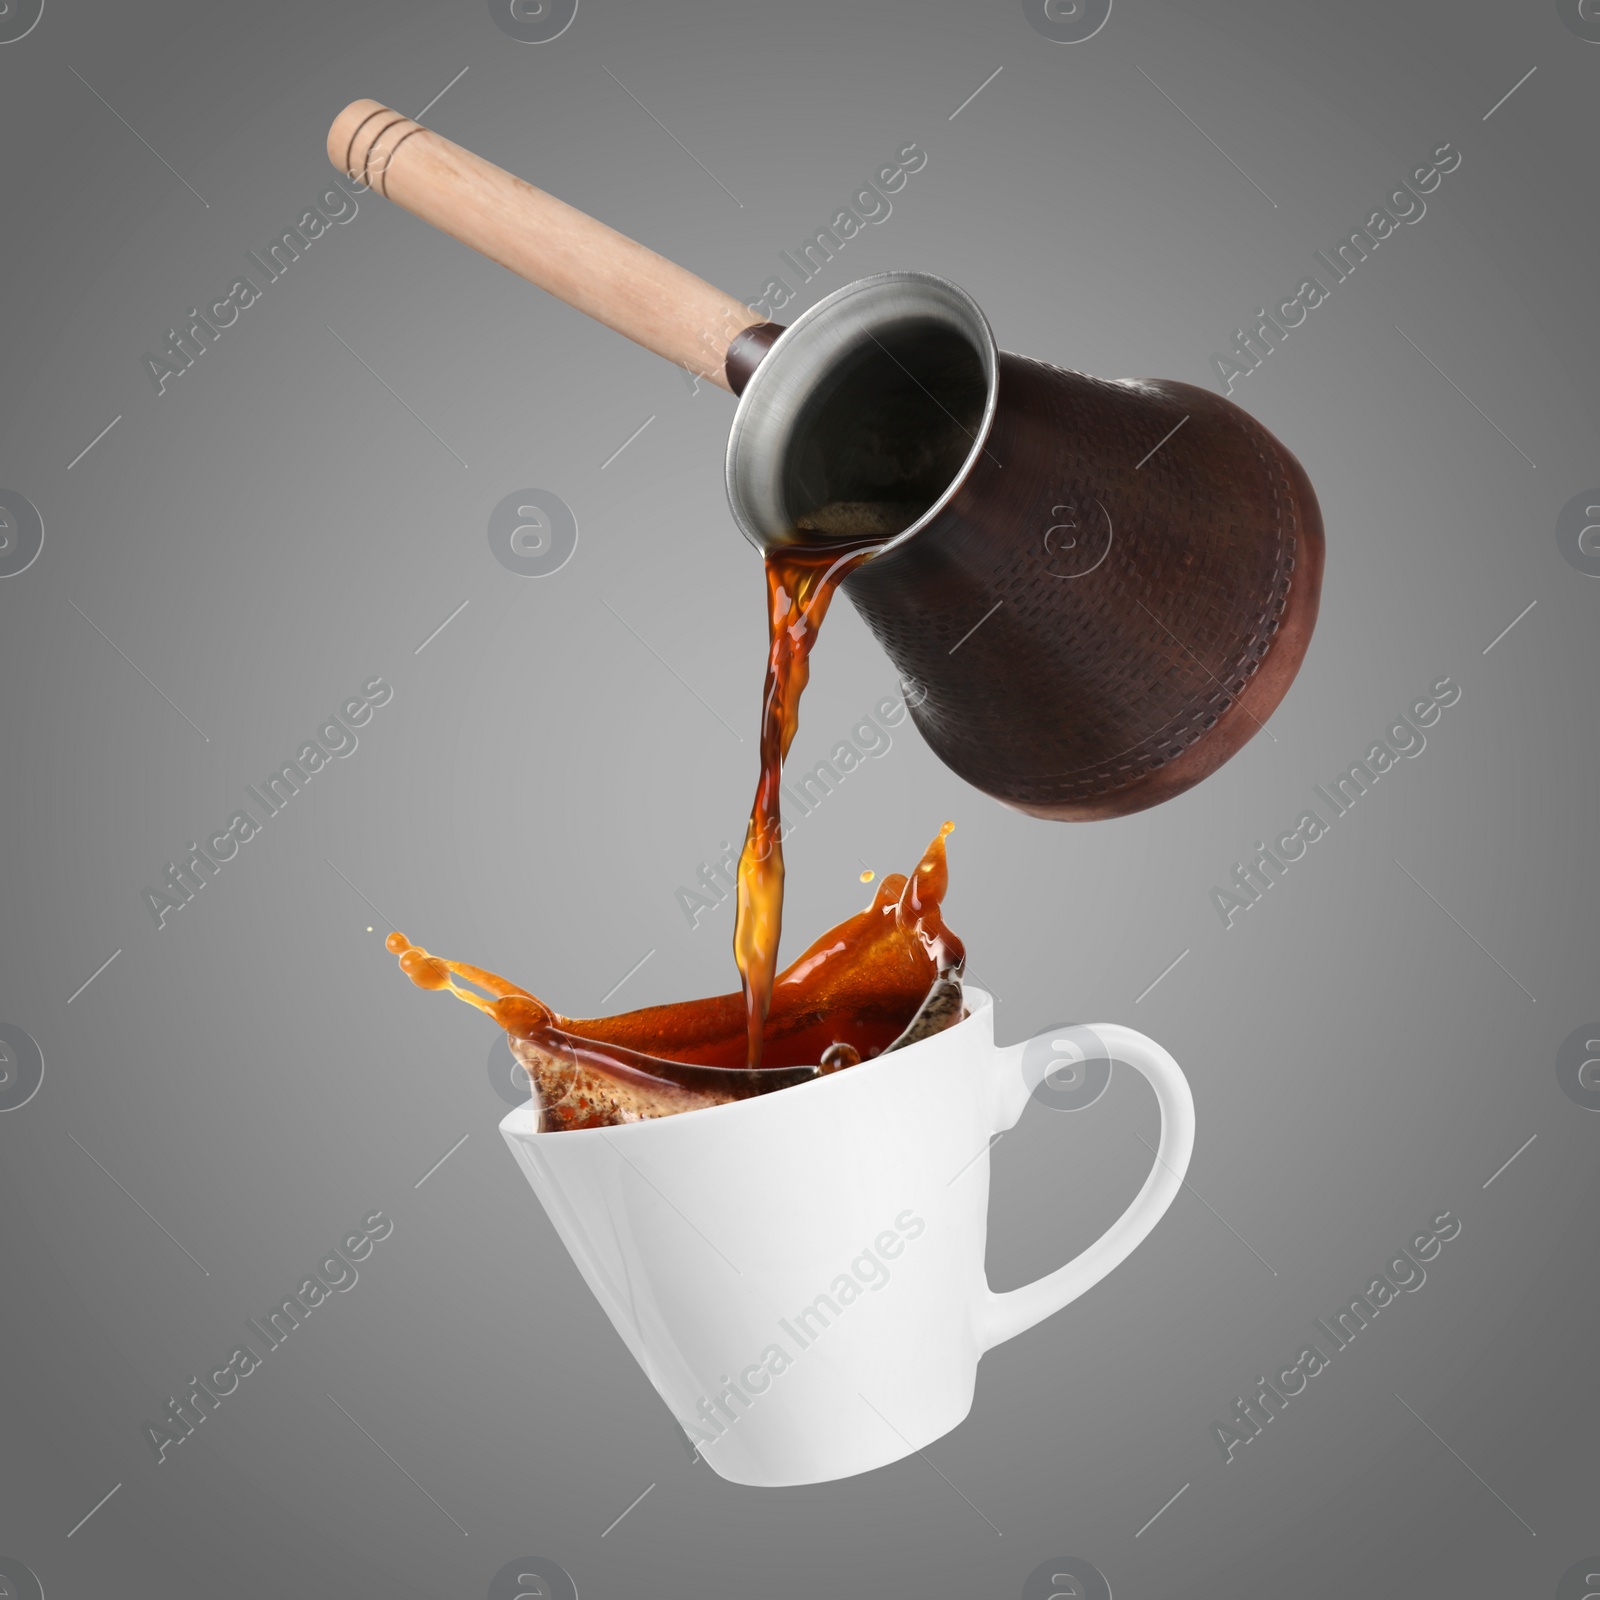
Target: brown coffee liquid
879,980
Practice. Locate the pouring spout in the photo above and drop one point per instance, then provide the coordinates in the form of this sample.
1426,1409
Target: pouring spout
876,397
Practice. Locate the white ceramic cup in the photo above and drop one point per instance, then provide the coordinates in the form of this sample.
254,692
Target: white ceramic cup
801,1274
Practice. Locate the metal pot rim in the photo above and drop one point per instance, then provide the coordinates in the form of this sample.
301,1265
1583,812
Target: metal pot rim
797,362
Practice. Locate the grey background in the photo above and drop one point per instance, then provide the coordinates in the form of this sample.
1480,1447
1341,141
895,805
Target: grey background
279,526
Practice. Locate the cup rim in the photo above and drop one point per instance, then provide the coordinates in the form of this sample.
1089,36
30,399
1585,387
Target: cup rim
802,330
522,1122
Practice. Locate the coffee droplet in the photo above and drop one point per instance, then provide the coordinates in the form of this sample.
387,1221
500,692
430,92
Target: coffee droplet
839,1055
427,972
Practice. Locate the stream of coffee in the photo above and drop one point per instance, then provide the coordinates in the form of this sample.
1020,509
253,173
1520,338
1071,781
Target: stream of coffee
801,581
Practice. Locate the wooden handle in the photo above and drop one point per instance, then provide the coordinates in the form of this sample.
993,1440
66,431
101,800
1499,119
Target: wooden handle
591,267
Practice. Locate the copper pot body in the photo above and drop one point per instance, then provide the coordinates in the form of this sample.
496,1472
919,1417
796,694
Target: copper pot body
1112,584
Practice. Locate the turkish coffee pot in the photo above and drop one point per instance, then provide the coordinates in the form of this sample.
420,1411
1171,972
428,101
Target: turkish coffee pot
1101,589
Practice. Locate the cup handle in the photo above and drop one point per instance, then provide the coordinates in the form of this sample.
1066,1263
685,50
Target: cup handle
1021,1068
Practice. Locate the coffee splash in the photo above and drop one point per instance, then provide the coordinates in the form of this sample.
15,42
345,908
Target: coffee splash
880,980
